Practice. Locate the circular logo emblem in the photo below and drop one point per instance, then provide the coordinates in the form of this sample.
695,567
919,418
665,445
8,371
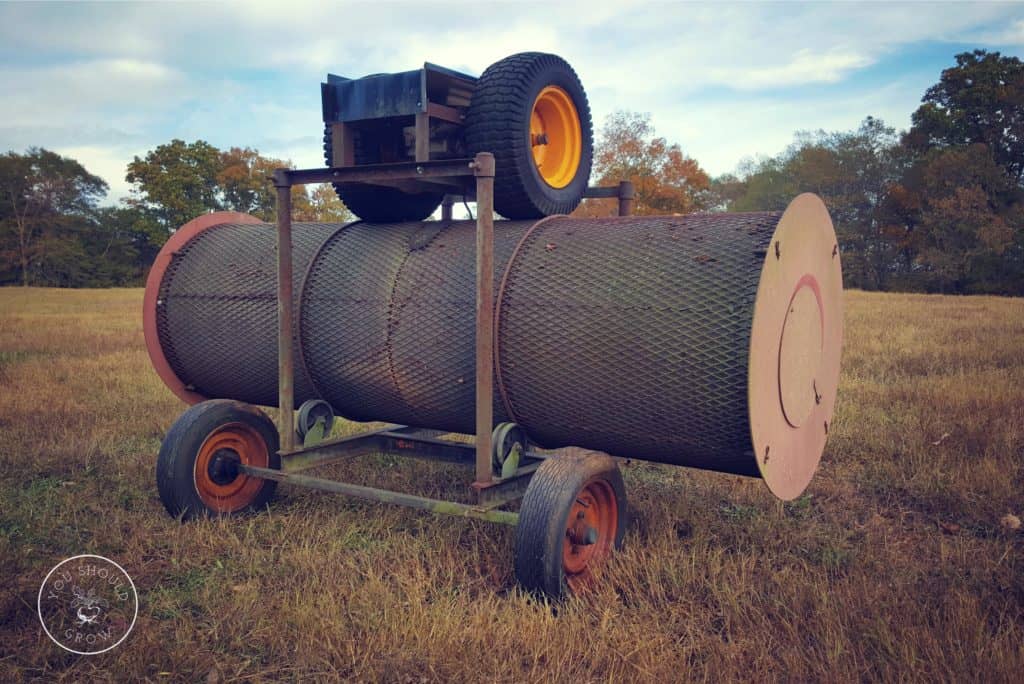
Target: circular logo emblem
88,604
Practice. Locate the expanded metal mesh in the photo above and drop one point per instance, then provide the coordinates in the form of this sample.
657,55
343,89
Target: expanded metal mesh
388,321
625,335
631,335
217,311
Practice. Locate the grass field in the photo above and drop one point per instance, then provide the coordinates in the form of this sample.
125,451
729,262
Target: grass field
893,565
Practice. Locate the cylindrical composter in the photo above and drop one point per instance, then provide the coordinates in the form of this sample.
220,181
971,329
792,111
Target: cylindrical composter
706,340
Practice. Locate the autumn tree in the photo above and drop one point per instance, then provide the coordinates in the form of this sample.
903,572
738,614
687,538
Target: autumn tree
44,199
978,101
176,182
242,181
852,172
962,217
324,206
960,200
665,180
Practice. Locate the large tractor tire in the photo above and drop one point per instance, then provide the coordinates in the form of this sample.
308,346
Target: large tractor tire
375,203
530,110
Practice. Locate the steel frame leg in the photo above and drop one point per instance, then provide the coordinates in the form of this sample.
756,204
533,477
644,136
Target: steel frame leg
285,306
483,169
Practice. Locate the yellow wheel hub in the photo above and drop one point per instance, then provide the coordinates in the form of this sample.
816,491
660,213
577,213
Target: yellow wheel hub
555,136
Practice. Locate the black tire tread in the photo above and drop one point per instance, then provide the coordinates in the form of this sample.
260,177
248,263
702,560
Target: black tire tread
544,512
180,446
493,125
379,204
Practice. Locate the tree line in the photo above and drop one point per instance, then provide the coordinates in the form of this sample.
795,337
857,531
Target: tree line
54,232
936,208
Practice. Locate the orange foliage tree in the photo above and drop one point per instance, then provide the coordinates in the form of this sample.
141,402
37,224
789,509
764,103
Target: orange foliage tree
666,181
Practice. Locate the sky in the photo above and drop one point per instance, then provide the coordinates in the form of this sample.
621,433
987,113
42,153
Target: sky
104,83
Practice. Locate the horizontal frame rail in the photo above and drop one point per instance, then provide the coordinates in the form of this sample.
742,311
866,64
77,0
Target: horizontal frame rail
384,496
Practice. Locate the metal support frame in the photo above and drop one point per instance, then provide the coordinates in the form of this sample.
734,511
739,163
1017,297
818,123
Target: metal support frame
491,492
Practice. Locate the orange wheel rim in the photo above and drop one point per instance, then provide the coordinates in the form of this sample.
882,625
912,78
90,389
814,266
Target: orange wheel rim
556,137
590,533
219,454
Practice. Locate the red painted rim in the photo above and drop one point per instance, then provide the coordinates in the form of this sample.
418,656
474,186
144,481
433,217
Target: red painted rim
245,442
153,281
595,509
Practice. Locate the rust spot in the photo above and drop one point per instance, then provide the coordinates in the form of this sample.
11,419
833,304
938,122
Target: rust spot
704,259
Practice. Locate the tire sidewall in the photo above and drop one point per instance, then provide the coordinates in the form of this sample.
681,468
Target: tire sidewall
558,74
573,471
180,449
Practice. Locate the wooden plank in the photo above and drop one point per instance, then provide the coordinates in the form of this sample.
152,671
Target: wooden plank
444,112
423,136
343,151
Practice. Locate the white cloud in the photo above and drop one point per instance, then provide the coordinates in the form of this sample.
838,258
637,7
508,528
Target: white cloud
111,81
806,66
106,162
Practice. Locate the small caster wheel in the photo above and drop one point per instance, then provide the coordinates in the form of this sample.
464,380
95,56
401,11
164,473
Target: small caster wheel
315,420
197,470
504,440
572,518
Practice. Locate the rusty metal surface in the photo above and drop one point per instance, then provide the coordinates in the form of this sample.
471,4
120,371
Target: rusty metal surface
217,317
630,335
151,303
285,315
387,321
484,169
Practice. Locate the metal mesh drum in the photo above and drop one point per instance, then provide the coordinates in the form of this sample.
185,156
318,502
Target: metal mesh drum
707,340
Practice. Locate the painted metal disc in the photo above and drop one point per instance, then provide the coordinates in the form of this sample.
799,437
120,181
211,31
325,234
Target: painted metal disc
795,346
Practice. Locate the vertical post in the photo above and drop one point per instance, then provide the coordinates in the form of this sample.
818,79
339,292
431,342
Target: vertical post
446,207
483,169
285,365
343,151
626,195
422,137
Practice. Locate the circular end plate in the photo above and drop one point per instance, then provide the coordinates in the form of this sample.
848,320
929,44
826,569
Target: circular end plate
156,276
795,344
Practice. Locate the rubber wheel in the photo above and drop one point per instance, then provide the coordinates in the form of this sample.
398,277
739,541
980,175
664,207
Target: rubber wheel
310,411
195,471
503,438
522,111
375,203
572,518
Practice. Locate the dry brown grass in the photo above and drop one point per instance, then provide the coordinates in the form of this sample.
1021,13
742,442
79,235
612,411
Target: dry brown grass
855,580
